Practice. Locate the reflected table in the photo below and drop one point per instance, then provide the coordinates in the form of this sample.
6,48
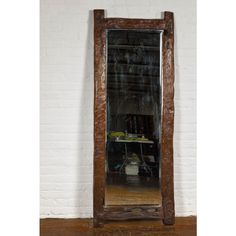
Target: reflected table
141,142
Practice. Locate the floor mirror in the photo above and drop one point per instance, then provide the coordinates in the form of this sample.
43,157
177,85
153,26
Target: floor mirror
133,118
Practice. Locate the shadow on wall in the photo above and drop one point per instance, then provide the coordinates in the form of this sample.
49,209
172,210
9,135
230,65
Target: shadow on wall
178,191
85,132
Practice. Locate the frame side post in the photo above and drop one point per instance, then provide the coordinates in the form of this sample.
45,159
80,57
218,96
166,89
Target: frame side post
99,118
168,121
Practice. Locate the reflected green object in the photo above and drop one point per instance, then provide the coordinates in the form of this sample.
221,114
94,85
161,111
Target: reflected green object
134,158
123,136
113,134
142,139
117,134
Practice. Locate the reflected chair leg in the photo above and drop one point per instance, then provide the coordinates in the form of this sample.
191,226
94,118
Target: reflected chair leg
144,162
125,161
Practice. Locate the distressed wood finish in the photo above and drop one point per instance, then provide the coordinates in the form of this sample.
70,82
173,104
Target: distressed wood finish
166,211
123,23
167,185
99,116
132,212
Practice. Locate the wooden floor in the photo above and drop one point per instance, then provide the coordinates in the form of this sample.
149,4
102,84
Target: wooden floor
184,226
120,195
132,190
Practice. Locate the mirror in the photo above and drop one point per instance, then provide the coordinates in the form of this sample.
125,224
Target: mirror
133,117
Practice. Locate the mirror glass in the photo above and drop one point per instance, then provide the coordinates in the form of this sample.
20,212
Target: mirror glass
133,118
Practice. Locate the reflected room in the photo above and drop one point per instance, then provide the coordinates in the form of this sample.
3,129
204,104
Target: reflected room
133,117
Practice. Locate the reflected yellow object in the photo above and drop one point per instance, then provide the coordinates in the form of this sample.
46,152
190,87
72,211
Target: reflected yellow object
116,134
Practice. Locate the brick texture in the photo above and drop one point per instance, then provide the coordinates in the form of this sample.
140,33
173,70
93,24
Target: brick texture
66,162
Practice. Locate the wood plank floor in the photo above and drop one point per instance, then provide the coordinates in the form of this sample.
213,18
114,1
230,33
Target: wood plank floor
122,195
184,226
132,190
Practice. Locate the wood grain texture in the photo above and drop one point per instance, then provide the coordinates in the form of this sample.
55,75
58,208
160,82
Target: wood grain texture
99,116
123,23
184,226
167,184
133,212
101,24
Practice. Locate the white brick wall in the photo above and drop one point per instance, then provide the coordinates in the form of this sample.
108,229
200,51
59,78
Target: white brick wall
67,101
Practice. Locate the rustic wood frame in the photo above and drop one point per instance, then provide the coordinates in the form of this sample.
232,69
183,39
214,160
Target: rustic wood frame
166,211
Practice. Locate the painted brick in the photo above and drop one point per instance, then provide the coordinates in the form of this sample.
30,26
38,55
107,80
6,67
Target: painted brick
67,101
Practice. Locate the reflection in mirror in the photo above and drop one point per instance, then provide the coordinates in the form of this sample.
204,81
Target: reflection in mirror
133,121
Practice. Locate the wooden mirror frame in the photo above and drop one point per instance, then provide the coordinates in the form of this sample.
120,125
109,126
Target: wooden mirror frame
166,210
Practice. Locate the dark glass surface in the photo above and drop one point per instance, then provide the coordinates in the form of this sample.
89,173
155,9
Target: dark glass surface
133,117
